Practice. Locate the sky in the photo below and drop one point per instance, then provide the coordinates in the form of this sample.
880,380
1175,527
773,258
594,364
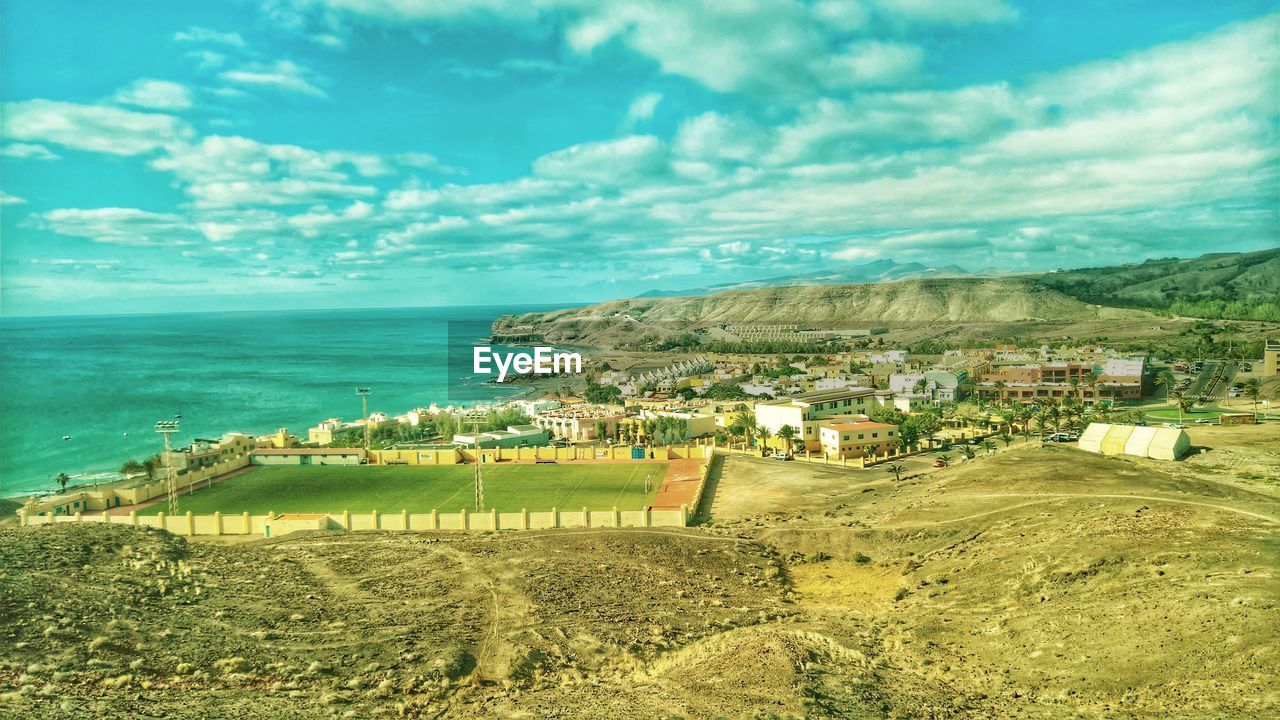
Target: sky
237,155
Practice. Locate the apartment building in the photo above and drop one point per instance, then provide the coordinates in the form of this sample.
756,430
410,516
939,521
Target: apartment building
805,411
857,438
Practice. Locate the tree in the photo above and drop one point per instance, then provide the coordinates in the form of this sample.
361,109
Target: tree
897,474
743,425
967,452
920,386
763,434
1006,438
1092,379
999,387
62,482
603,394
686,393
1166,380
131,467
989,446
945,459
1252,389
787,434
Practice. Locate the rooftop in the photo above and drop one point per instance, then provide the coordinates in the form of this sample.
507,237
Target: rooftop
307,451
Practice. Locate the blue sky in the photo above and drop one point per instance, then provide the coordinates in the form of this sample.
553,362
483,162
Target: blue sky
331,153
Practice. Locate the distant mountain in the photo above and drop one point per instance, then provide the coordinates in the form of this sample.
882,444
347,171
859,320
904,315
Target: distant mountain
885,270
1234,285
934,300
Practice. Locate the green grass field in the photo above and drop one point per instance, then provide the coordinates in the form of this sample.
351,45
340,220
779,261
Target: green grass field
419,489
1172,414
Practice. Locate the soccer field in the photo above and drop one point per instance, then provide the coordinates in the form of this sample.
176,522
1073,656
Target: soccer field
420,489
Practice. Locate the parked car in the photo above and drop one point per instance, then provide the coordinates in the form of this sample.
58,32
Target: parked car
1247,367
1205,421
782,456
1176,426
1061,437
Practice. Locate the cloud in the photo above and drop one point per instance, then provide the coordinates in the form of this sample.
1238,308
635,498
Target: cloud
96,128
28,151
606,162
283,75
155,95
948,12
641,109
120,226
205,35
7,199
871,63
220,171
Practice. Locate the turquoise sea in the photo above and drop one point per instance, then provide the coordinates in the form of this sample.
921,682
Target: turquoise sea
106,380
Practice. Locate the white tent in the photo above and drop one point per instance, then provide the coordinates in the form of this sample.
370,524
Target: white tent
1139,441
1091,438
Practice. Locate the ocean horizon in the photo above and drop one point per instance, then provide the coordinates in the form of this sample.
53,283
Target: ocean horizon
105,380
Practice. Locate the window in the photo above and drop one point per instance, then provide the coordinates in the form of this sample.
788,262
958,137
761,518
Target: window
875,434
861,436
846,437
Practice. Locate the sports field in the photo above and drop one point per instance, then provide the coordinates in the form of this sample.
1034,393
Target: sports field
420,489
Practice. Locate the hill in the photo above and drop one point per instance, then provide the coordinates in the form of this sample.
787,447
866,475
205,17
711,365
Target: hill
1036,582
1241,286
883,270
973,300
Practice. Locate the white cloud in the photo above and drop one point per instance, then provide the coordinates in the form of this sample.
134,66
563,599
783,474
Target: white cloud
641,109
155,95
283,75
871,63
97,128
120,226
205,35
948,12
7,199
605,162
28,151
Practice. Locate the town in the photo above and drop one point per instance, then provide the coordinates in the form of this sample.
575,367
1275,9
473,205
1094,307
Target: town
854,409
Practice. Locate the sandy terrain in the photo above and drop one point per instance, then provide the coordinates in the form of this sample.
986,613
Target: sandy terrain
1038,583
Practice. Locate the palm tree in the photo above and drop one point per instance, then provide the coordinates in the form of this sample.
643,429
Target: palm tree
1252,389
763,434
945,459
787,434
1092,379
1183,401
1166,380
989,446
743,424
62,482
919,387
999,386
131,467
897,474
1006,438
967,452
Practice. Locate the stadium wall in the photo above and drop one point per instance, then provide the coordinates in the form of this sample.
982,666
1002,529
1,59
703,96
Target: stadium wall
463,520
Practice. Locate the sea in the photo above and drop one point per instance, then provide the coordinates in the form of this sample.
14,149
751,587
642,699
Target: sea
81,395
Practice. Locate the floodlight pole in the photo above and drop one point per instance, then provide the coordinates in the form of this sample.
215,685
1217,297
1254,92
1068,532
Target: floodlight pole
475,422
363,392
167,428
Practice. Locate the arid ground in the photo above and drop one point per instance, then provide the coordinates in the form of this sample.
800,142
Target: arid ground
1038,582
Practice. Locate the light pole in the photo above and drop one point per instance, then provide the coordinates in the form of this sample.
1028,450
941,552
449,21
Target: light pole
363,392
167,428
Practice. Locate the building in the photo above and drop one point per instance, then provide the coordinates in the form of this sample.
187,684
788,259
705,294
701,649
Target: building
804,411
323,432
513,436
307,456
579,422
207,453
857,438
1271,357
1157,443
279,439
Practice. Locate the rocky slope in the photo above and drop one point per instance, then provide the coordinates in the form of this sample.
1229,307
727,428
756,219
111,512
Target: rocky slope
977,300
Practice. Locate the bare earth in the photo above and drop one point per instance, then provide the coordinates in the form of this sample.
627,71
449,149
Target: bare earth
1038,583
